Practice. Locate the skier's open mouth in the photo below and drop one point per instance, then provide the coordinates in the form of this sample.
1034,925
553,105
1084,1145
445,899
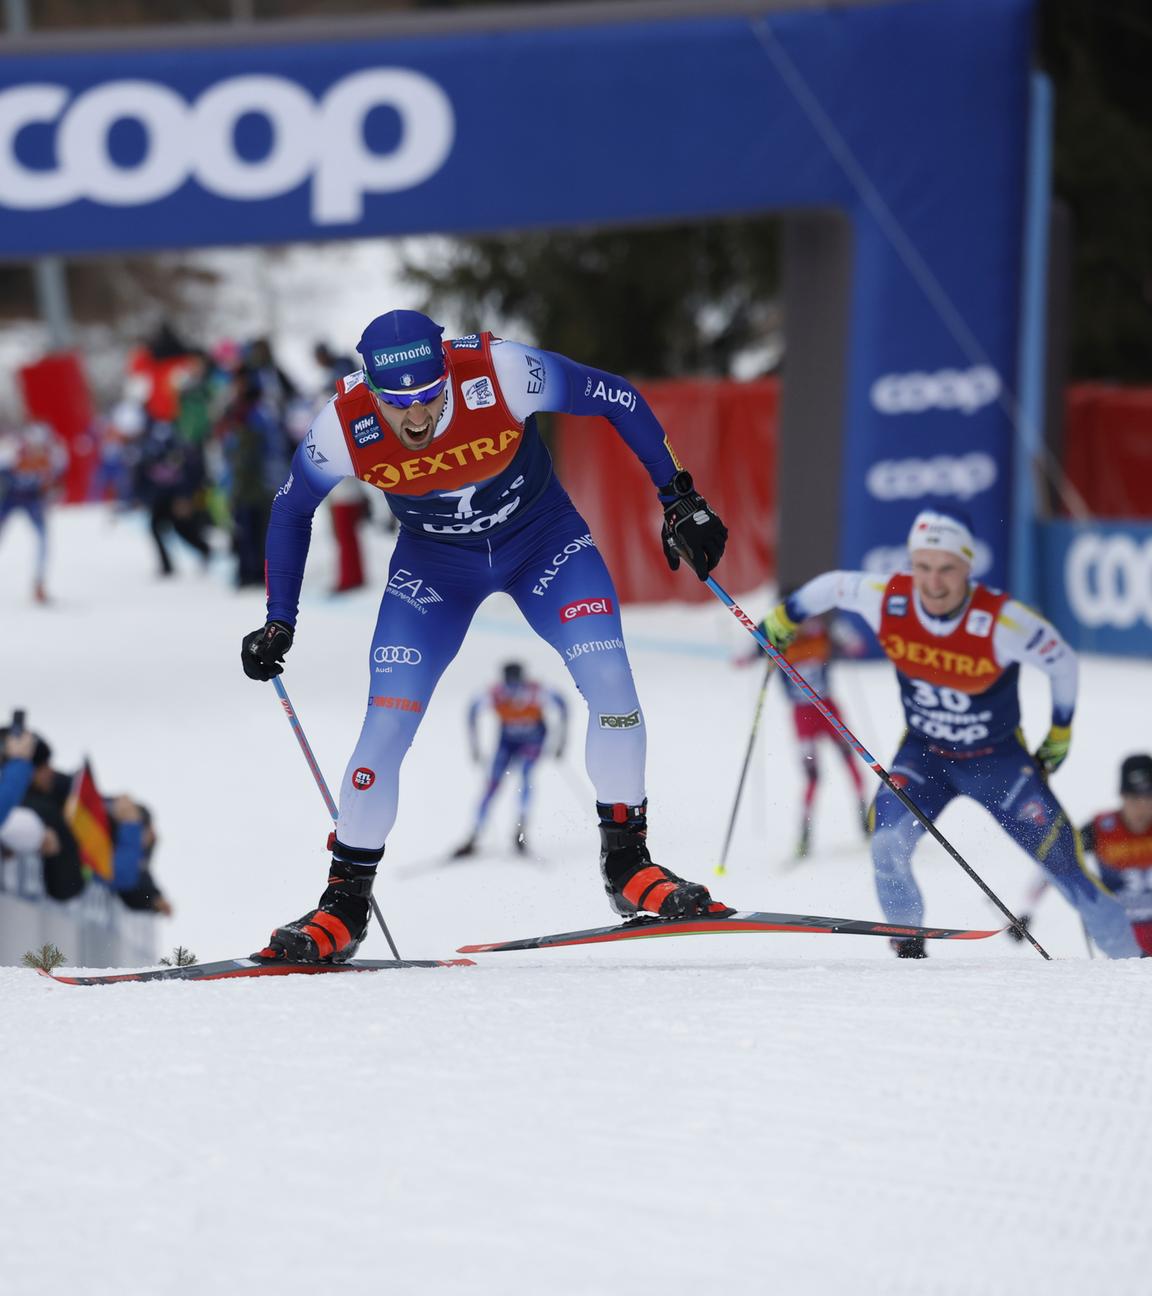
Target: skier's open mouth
418,438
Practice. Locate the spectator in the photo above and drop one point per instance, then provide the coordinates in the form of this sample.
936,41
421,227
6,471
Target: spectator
16,770
169,478
45,794
1121,840
255,464
134,839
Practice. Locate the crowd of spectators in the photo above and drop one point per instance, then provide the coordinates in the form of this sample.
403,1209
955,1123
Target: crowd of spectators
203,440
37,820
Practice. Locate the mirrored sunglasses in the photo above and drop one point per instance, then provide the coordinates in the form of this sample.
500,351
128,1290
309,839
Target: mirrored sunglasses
405,399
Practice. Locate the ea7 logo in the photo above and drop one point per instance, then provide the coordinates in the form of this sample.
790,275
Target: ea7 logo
586,607
629,721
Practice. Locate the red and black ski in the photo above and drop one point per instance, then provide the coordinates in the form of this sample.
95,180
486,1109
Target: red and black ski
248,967
646,928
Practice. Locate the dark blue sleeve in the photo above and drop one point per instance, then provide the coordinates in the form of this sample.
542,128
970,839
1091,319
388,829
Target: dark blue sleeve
289,535
584,390
128,857
14,779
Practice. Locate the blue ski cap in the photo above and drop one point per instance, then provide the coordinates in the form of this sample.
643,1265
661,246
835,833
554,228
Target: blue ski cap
403,357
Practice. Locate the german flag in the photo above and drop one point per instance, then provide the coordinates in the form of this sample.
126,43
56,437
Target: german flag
88,820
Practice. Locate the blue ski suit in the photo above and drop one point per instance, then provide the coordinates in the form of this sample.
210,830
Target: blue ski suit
480,511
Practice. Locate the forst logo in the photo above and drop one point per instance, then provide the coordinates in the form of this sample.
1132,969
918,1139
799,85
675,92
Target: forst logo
318,139
586,607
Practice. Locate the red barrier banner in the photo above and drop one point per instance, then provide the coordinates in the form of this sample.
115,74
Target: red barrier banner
1108,448
724,433
56,392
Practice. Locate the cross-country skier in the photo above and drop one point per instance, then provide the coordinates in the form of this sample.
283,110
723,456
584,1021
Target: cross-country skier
1121,840
32,460
521,706
447,433
957,646
812,652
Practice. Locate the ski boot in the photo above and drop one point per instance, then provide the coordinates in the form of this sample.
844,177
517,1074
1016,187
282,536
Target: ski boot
804,844
909,947
334,930
467,850
634,884
519,844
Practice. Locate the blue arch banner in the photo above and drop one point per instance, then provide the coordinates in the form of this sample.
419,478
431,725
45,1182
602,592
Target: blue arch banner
911,117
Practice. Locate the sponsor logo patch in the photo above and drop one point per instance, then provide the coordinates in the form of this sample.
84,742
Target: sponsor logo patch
365,430
586,607
479,393
396,655
593,646
536,376
398,703
412,590
363,778
285,488
897,605
629,721
386,475
388,356
570,550
469,342
979,623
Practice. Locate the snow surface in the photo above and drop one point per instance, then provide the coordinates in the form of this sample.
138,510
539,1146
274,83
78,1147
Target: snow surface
790,1113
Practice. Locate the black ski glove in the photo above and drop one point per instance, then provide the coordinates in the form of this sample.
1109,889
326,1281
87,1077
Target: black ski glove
691,531
262,654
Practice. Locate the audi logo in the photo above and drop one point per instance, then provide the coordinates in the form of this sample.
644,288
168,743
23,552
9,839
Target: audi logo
395,655
1109,580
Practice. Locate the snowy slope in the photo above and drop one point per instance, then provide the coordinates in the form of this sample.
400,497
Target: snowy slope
782,1113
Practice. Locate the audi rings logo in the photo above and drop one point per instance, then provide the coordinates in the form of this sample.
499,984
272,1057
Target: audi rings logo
395,655
960,476
1109,580
966,390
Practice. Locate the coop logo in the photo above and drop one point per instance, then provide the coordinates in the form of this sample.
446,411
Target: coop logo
396,655
966,390
321,141
1108,579
365,430
961,476
586,607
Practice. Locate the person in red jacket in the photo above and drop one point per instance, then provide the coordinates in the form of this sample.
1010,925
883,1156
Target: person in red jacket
1121,840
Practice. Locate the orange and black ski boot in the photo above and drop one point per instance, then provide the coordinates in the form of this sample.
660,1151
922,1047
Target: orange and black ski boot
635,885
334,930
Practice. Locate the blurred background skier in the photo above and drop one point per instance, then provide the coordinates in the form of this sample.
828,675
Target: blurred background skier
520,705
957,646
32,460
816,645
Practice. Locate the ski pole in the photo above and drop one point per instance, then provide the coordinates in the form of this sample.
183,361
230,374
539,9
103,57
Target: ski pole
298,730
722,867
866,756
